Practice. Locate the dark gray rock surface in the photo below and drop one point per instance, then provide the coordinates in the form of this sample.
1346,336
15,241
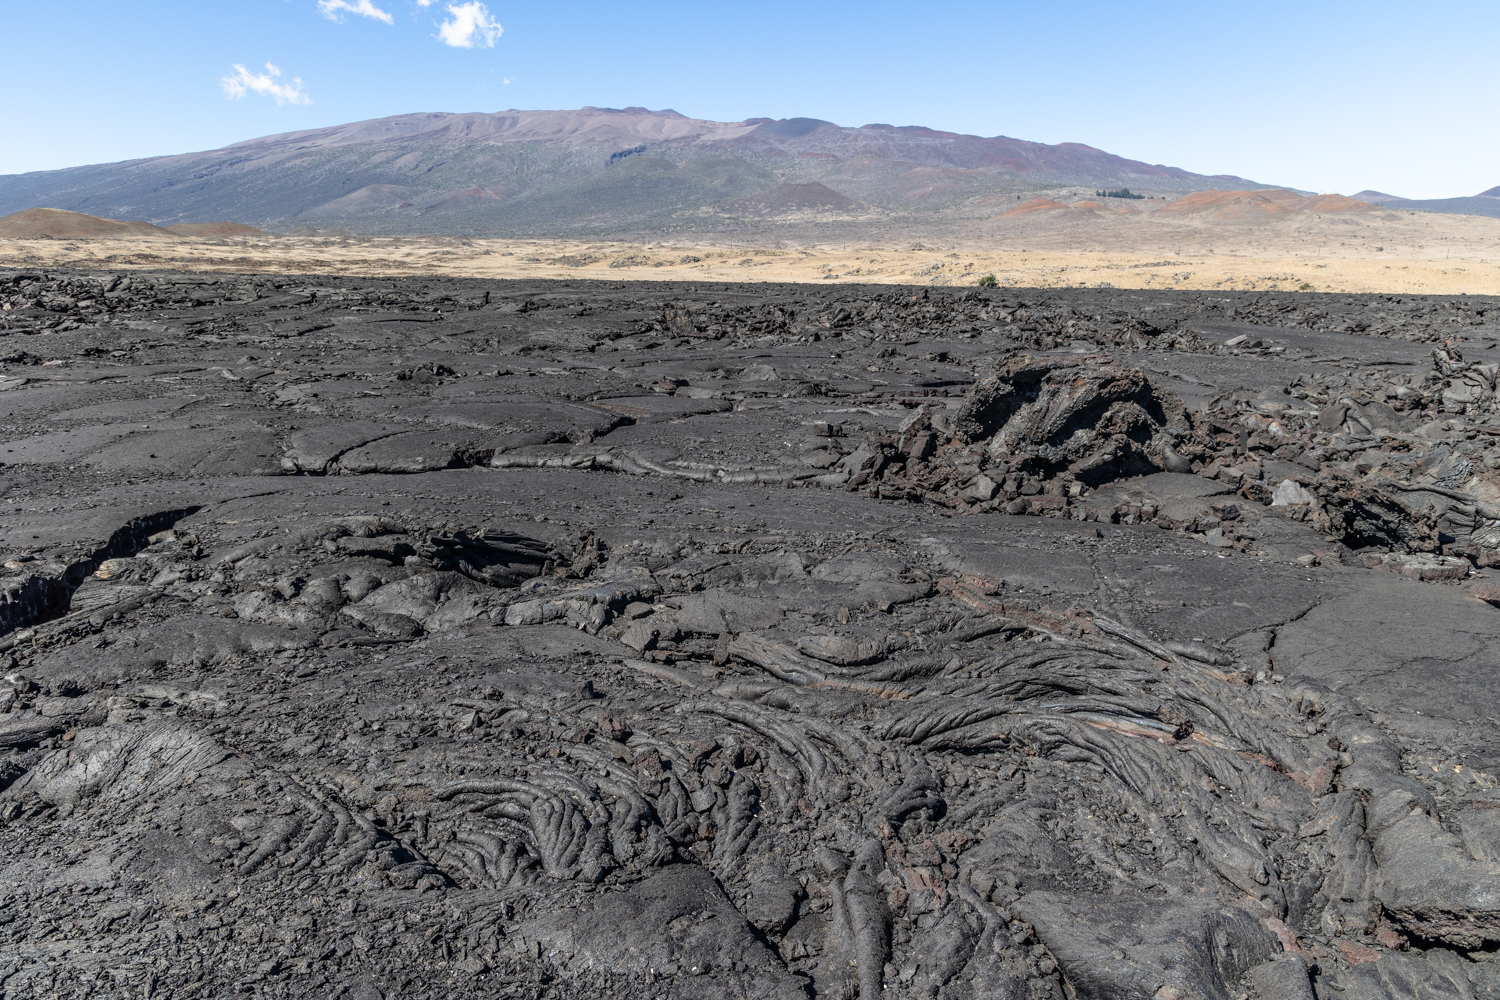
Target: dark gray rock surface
417,638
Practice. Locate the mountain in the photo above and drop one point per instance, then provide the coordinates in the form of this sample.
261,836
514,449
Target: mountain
1378,197
594,170
1484,203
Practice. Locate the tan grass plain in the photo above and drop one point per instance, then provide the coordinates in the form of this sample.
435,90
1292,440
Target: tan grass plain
1378,251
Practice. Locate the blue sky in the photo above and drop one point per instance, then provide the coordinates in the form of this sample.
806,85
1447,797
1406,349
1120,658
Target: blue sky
1400,97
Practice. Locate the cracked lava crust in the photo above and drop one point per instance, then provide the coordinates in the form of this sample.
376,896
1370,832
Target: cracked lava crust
381,638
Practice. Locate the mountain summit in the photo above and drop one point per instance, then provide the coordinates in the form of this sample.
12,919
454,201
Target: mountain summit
594,170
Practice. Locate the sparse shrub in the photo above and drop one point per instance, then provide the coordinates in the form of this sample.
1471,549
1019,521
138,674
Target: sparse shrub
1306,286
987,281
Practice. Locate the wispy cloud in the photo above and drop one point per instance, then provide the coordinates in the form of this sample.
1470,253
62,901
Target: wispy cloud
470,25
335,10
243,82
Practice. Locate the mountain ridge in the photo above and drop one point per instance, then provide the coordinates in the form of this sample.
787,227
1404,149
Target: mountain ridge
594,170
1485,203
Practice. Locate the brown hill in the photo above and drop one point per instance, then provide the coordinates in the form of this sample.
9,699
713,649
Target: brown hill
791,199
1333,203
1250,206
58,224
1032,207
202,229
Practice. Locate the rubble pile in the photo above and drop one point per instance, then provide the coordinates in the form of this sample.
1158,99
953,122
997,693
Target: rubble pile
1034,319
1041,322
1031,439
1405,468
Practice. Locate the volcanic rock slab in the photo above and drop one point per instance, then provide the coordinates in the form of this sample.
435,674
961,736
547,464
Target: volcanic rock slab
397,638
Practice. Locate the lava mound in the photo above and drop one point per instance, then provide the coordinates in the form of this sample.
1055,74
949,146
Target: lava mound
1039,433
1092,423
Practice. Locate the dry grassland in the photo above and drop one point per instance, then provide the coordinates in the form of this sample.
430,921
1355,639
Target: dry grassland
1383,252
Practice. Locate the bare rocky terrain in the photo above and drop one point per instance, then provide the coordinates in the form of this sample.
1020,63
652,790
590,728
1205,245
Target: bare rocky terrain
438,637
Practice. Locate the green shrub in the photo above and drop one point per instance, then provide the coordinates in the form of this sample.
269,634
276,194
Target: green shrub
987,281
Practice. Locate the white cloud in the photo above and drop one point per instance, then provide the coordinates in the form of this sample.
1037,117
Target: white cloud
335,9
244,82
470,25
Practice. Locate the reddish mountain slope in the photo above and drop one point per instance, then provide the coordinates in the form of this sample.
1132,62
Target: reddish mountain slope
57,224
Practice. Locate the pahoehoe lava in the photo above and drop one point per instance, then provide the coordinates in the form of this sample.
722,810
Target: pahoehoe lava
431,638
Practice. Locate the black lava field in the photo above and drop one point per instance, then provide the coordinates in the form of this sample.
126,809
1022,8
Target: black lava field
415,638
